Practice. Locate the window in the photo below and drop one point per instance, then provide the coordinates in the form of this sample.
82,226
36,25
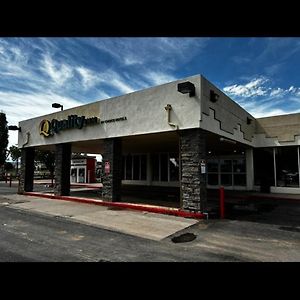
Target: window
239,171
226,165
226,172
287,170
212,179
143,167
213,166
263,162
174,166
165,167
239,166
128,173
155,167
123,167
164,163
134,167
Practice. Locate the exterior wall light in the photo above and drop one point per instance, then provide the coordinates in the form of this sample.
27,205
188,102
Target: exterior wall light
186,87
249,121
57,105
213,97
14,127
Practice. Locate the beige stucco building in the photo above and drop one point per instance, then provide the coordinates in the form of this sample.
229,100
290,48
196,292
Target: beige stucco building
176,139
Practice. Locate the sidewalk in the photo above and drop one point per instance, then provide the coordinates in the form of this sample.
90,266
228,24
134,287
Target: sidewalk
143,224
216,240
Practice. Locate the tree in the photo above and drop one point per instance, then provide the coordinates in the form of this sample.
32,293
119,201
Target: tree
15,154
48,159
8,166
3,138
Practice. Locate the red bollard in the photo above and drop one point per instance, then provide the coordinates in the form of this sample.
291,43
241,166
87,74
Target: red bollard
222,203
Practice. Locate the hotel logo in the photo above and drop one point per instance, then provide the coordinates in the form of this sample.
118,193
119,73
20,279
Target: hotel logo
49,128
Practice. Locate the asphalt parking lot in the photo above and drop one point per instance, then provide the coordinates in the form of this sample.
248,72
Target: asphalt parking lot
257,232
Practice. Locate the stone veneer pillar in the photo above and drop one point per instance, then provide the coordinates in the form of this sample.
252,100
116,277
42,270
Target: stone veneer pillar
26,170
62,169
192,183
112,154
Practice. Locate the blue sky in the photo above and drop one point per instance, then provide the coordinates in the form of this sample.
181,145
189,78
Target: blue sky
261,74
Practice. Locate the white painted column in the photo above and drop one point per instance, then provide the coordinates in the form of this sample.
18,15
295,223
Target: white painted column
249,169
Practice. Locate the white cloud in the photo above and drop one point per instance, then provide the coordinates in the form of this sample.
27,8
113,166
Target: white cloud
157,78
131,60
13,61
58,73
121,86
89,79
269,112
272,101
258,87
19,106
294,90
113,79
277,92
14,66
101,95
251,89
109,77
155,51
267,109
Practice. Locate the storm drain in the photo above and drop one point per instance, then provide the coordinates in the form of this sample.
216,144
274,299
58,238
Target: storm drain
184,238
290,228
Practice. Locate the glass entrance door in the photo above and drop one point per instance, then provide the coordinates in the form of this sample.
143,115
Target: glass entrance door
74,175
81,175
78,175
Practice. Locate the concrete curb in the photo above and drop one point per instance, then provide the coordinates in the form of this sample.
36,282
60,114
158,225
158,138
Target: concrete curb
141,207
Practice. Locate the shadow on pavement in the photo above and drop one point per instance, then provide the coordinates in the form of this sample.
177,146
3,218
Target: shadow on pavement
281,213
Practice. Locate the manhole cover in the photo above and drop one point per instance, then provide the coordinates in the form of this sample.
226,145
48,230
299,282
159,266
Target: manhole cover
289,228
184,238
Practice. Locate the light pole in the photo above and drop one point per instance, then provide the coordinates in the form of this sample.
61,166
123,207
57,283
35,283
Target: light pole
57,105
14,127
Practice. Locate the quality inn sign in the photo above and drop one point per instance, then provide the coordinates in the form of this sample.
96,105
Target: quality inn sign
49,128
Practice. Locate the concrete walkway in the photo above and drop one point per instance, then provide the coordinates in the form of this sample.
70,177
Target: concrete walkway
143,224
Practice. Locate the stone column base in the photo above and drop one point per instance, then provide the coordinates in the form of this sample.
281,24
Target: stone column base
193,182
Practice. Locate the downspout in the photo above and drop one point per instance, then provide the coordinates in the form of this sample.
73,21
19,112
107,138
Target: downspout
168,108
27,141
